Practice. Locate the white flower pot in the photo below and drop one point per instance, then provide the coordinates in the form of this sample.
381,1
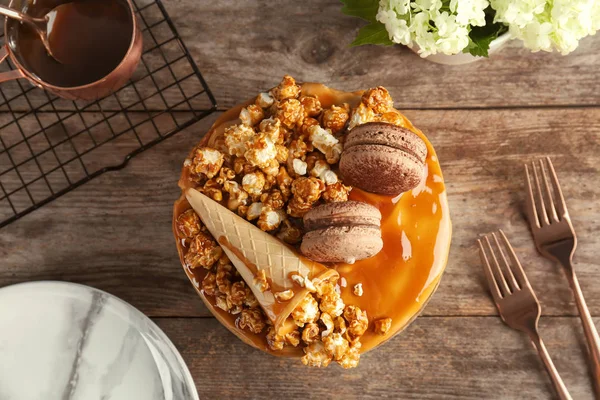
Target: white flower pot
464,58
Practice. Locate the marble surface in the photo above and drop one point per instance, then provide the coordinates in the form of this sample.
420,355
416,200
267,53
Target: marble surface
72,342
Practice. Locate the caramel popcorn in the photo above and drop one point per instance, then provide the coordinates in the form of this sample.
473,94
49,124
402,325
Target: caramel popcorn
273,199
298,149
237,293
293,338
275,341
358,290
236,137
213,190
251,115
312,106
264,100
221,302
203,252
336,192
284,296
269,219
332,303
310,333
357,321
290,112
322,171
250,300
316,355
252,319
307,190
188,224
393,118
273,129
335,119
297,208
321,139
306,125
299,166
209,284
336,346
237,196
361,115
260,281
339,325
207,161
328,322
378,99
382,326
225,174
223,277
306,311
260,150
282,154
254,211
351,358
287,89
254,183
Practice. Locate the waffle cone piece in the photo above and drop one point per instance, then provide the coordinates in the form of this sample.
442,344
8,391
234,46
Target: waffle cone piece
251,251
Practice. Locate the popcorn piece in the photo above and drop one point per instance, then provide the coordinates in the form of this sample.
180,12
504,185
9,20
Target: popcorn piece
339,325
282,154
297,208
312,106
207,162
382,326
241,165
273,199
321,170
260,281
285,295
272,169
236,138
237,293
254,211
307,190
188,224
336,346
225,174
254,183
260,151
306,311
290,112
350,359
298,149
335,119
293,338
332,303
213,190
336,192
306,125
287,89
312,158
209,284
378,99
251,115
250,300
221,302
273,129
310,333
328,322
203,252
223,278
237,196
290,233
269,219
358,321
284,181
321,139
361,115
275,341
316,355
251,319
264,100
358,290
299,166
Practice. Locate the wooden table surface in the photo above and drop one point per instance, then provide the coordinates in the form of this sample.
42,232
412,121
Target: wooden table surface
485,119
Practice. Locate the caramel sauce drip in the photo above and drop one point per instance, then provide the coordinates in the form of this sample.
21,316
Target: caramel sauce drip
416,231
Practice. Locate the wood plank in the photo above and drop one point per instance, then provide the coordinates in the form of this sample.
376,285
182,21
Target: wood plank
114,233
243,46
435,358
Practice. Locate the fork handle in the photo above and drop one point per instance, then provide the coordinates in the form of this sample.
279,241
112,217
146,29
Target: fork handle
559,386
591,334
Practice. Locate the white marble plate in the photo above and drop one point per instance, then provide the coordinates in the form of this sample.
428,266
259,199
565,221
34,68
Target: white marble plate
71,342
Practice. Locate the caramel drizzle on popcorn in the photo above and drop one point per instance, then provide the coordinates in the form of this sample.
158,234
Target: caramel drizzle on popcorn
272,168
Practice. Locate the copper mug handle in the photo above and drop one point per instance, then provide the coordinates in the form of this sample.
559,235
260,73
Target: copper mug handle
12,74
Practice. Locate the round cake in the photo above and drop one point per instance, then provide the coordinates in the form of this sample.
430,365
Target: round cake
274,177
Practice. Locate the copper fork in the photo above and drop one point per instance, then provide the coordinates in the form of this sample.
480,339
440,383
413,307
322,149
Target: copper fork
555,239
515,299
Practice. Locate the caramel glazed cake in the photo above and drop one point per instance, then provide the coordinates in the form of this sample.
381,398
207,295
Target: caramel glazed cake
294,228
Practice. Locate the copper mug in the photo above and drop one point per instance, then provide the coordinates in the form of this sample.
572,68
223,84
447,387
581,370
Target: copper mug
116,79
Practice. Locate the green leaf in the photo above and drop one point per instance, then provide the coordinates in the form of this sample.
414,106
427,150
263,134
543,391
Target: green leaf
480,37
374,33
365,9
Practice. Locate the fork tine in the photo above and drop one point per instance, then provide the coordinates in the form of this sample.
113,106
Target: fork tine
496,270
561,205
488,274
517,271
530,201
540,198
510,277
550,202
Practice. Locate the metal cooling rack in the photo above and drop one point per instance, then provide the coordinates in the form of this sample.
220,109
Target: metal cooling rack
49,146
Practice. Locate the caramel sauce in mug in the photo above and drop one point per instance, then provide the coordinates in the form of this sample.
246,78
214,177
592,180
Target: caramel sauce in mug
401,278
90,38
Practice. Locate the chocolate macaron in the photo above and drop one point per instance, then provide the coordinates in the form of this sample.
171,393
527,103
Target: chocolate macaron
383,158
342,232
